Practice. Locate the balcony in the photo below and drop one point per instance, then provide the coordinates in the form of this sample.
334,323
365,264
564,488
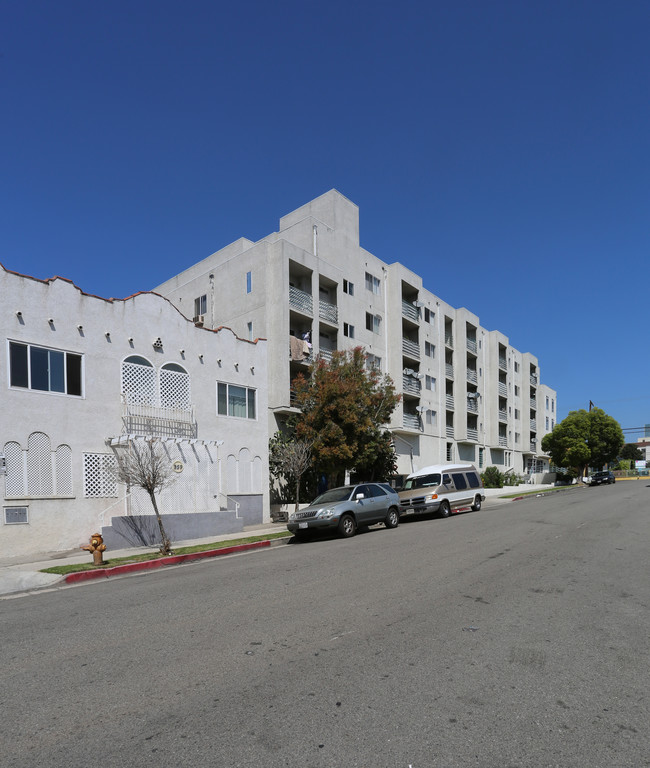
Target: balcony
328,312
410,385
158,420
533,379
449,340
502,389
449,402
533,447
300,300
503,441
471,345
533,425
326,351
472,376
503,364
449,431
472,405
409,311
449,370
533,403
411,349
411,421
503,415
472,434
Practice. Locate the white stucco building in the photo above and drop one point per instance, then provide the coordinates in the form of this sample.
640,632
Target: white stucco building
84,377
311,288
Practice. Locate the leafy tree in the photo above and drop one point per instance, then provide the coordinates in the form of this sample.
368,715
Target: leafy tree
343,407
631,453
147,466
584,439
289,460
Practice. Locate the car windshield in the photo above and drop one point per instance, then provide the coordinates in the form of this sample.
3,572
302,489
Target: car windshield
333,495
423,481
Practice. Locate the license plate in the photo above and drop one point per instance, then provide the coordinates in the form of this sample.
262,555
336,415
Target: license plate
303,525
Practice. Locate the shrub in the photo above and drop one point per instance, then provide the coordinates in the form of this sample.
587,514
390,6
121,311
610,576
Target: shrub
492,478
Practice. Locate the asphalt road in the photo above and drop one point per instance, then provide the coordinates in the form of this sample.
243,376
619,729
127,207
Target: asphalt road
513,636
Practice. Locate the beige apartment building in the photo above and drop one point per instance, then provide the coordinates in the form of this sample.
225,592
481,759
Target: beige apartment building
310,289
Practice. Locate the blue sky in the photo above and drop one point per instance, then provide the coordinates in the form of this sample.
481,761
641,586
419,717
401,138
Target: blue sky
498,148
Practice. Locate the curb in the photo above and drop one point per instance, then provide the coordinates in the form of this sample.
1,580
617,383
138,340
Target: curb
148,565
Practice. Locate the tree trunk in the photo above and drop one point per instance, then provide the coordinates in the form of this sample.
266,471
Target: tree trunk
165,543
297,493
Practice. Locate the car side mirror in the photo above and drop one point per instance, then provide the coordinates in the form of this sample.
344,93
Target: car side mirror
360,496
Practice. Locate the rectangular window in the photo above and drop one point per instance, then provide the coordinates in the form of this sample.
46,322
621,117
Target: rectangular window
429,349
480,458
430,383
200,305
348,330
373,284
516,367
250,331
517,437
249,282
516,391
373,322
348,288
547,423
517,414
16,516
459,481
428,315
547,403
431,417
47,370
236,401
373,362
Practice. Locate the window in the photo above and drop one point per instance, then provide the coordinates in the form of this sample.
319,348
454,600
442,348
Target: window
249,326
516,391
459,481
373,362
431,417
547,403
481,458
236,401
516,367
16,515
430,383
348,330
473,480
373,284
517,413
429,315
450,453
547,423
175,387
429,349
372,322
517,437
348,288
552,406
46,370
200,305
139,381
249,282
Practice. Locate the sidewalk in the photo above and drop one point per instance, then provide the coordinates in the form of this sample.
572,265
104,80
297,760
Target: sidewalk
20,575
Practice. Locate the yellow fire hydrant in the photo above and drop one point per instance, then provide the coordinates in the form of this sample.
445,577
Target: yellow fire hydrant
97,548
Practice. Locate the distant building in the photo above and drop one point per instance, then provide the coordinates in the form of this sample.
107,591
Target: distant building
310,289
85,377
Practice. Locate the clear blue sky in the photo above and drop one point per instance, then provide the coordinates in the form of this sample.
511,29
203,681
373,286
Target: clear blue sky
498,148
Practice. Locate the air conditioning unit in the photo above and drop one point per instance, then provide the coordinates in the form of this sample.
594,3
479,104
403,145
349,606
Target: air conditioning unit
407,372
199,319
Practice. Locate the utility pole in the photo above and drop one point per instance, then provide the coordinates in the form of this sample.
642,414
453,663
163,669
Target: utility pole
591,405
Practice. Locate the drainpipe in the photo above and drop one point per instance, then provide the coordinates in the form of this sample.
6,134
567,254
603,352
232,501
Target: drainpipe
211,301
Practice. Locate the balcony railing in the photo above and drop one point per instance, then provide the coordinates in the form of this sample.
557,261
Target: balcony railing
411,385
503,415
301,300
472,376
503,441
411,348
533,447
158,420
533,403
328,311
410,311
411,421
503,364
472,434
449,340
449,402
449,431
502,389
533,425
533,379
449,370
471,345
472,405
326,351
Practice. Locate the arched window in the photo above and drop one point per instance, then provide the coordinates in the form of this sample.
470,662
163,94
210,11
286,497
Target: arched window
175,387
138,381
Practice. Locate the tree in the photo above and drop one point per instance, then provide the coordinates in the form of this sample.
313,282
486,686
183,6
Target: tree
344,406
147,466
631,453
289,459
584,439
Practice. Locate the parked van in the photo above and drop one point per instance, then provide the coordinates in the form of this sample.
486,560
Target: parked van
442,488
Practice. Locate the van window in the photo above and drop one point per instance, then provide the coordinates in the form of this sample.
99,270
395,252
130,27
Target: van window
423,481
446,479
473,480
459,481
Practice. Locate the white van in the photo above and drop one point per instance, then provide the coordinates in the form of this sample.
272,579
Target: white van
442,488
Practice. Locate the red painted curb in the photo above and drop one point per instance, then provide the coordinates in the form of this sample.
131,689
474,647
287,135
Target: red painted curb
148,565
517,498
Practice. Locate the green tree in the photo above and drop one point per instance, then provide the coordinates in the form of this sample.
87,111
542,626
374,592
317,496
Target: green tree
344,406
631,453
584,439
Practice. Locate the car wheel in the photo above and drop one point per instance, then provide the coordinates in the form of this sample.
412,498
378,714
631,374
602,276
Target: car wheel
445,509
347,526
392,518
477,504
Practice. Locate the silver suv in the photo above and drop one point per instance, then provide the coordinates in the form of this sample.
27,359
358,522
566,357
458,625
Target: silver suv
347,508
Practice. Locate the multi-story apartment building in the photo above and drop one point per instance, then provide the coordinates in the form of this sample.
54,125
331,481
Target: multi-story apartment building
310,288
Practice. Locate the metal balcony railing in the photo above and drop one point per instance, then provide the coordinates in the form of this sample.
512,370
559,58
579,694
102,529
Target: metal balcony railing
449,340
503,389
472,376
533,447
472,406
449,431
533,425
503,364
471,345
411,421
158,420
410,311
533,379
533,403
449,370
326,351
472,434
503,415
503,441
449,402
301,300
411,348
328,311
411,385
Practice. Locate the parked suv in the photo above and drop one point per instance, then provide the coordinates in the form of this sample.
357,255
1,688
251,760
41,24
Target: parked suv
347,508
601,478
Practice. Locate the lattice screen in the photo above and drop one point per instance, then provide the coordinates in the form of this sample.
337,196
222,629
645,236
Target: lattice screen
175,389
39,465
139,384
99,481
63,470
15,477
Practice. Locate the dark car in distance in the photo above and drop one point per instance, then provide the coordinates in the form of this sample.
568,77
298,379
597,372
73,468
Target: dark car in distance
347,509
602,478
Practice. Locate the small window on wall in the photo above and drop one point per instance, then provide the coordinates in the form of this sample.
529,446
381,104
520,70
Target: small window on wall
373,322
429,316
373,284
429,349
348,288
373,362
45,370
236,401
200,305
249,282
16,515
348,330
431,417
430,383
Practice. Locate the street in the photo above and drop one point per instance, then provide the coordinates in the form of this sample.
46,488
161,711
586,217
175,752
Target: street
513,636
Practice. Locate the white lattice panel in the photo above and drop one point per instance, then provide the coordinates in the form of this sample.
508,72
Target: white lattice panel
244,471
99,480
63,470
175,389
39,465
139,384
15,477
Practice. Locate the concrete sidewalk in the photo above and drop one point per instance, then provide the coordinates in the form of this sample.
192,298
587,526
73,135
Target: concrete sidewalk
21,575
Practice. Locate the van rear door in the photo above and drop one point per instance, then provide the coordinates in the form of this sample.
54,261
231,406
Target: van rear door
462,496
